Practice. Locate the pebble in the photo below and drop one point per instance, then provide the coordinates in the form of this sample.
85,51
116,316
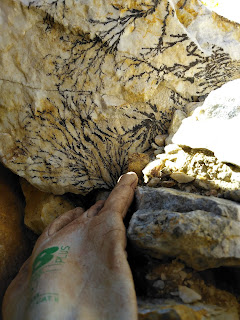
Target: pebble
159,284
188,189
188,295
160,140
212,193
154,182
181,177
202,184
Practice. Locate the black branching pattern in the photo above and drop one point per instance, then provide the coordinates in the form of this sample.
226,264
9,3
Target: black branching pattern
76,149
114,27
77,145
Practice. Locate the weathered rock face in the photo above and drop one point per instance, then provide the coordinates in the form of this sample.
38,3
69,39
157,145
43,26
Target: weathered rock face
202,231
173,310
86,83
215,125
193,170
178,292
14,246
41,207
171,290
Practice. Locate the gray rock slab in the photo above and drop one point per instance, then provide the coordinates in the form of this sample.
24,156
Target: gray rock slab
204,232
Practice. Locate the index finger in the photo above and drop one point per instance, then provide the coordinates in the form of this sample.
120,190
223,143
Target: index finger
122,195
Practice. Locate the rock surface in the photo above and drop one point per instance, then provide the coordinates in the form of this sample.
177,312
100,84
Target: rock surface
204,232
161,309
188,295
86,83
41,207
215,125
14,246
137,162
200,167
167,300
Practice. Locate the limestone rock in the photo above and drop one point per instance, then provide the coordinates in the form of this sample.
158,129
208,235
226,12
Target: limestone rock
41,207
202,231
215,125
176,122
14,246
188,295
185,165
232,194
86,83
160,309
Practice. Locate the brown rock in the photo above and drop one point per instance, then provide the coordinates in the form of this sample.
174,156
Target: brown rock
160,139
14,246
137,162
41,207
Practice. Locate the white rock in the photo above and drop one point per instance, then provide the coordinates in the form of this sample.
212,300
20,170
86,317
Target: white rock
176,122
188,295
215,125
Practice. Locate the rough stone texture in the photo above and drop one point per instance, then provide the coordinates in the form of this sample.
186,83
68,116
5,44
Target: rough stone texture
200,166
14,246
160,140
174,310
41,207
215,125
202,231
137,162
181,177
85,83
176,122
166,299
188,295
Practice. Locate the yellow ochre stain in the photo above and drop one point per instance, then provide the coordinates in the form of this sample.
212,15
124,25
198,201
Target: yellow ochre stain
185,12
226,25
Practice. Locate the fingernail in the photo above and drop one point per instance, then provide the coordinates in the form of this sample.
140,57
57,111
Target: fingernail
129,178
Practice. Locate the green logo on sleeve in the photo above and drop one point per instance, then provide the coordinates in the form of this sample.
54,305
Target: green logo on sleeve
44,257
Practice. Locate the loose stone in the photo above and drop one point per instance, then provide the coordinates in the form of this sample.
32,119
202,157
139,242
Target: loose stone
188,295
160,140
181,177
